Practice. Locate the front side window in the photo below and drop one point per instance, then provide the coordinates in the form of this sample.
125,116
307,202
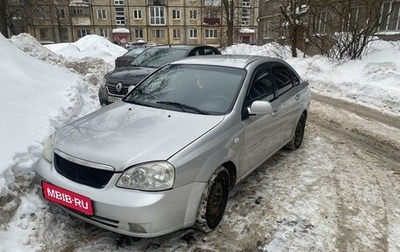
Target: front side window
187,88
157,15
262,87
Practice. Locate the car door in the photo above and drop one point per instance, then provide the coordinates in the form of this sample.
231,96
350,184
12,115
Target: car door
287,107
259,130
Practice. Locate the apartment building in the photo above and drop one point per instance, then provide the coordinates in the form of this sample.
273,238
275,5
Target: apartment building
158,21
325,19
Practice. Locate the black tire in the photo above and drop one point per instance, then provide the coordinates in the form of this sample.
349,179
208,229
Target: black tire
213,201
297,139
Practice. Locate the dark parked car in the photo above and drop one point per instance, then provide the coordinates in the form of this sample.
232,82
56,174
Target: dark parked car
128,57
117,82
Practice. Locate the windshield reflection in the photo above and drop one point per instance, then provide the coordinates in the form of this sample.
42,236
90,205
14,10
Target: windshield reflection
157,57
190,88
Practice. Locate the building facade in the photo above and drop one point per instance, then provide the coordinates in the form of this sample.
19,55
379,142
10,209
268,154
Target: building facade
319,21
158,21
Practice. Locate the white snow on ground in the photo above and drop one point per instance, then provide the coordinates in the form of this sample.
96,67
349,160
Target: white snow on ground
44,87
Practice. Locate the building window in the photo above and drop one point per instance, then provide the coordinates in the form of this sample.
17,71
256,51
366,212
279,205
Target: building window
104,33
321,21
62,14
82,32
120,16
45,34
137,14
157,15
64,34
390,20
245,16
192,33
211,33
352,19
157,33
118,2
138,33
212,2
176,14
80,12
101,14
245,3
268,31
211,14
176,34
193,14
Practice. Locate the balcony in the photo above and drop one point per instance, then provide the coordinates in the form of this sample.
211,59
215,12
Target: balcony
79,3
211,21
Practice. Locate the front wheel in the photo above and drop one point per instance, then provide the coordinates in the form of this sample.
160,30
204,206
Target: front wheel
213,201
297,139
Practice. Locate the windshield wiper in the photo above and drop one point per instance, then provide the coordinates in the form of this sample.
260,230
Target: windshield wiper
184,107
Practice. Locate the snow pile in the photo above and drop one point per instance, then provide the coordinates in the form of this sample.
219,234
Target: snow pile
93,67
271,50
92,46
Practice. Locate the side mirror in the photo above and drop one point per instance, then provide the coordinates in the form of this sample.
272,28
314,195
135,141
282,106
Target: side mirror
260,108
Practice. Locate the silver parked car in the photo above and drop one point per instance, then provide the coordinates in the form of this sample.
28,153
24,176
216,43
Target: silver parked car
166,156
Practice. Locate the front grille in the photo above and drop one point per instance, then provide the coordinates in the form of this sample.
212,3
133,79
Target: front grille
111,89
89,176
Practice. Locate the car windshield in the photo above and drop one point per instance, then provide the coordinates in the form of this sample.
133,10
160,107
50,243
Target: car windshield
135,52
157,57
190,88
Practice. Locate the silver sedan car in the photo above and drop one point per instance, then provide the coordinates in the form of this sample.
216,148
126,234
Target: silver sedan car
166,156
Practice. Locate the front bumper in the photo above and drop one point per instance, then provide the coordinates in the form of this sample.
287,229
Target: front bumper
131,212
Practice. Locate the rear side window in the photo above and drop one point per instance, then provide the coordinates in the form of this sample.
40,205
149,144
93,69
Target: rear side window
283,77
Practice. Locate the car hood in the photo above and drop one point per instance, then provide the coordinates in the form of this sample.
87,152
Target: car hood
129,75
124,134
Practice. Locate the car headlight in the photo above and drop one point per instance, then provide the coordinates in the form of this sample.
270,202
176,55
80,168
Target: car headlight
48,148
154,176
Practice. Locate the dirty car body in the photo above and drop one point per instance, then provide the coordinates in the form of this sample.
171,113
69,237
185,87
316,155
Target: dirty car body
166,156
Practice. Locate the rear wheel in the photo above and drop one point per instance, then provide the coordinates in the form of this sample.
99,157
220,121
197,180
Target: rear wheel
213,201
297,139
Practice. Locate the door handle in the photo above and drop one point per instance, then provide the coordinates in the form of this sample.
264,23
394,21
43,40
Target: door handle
297,97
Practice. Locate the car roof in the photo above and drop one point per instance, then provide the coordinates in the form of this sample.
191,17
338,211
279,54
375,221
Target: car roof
228,60
180,46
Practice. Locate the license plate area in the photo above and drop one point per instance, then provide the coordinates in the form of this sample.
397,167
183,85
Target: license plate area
67,198
113,98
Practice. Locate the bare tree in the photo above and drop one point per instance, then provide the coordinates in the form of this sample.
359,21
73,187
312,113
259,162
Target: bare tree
3,18
293,12
344,28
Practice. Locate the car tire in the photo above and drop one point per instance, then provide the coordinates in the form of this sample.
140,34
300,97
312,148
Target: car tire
213,201
297,139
